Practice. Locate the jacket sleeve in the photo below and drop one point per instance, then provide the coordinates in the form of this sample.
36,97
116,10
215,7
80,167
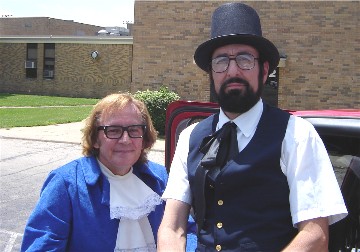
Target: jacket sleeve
49,224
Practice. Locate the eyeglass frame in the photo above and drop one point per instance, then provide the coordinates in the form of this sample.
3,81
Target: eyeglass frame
124,128
233,58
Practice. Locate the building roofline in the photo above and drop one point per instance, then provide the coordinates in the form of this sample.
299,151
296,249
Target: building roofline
43,17
68,39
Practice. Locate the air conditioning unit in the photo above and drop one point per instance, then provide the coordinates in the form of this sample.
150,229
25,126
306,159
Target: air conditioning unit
30,64
48,73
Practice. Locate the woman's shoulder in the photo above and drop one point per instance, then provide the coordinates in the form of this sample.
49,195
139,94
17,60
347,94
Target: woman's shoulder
86,165
157,168
155,165
81,161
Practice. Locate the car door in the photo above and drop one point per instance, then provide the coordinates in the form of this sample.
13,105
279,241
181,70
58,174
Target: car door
340,132
179,115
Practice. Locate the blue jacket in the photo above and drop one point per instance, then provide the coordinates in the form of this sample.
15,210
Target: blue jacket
73,210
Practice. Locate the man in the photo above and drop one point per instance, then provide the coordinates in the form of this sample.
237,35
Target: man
277,191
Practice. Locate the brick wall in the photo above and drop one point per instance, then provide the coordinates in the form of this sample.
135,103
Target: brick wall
76,73
320,38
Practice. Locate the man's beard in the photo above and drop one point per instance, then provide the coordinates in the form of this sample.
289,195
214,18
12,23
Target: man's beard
239,101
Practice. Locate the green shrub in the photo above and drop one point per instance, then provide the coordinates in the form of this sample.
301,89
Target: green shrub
157,102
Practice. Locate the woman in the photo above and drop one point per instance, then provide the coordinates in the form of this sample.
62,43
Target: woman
108,200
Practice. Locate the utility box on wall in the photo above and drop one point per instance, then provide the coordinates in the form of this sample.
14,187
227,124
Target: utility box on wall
30,64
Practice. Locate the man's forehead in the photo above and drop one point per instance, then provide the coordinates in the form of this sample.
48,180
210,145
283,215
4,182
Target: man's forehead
234,49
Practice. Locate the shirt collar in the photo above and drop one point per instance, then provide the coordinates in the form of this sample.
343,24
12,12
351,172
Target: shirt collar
246,122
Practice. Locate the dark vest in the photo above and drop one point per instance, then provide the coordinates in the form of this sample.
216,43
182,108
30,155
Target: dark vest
248,210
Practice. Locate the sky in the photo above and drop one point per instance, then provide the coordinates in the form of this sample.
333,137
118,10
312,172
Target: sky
94,12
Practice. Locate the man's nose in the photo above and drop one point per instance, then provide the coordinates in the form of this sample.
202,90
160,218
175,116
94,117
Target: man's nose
233,67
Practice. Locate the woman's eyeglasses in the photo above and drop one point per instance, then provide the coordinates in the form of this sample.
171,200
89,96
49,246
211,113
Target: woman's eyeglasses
116,132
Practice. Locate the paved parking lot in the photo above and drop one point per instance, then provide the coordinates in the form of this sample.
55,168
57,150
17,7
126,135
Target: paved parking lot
27,156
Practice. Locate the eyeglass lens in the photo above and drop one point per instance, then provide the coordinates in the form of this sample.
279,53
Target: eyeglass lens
244,61
116,132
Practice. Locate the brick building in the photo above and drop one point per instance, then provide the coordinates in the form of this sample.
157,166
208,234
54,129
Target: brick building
54,57
66,66
319,41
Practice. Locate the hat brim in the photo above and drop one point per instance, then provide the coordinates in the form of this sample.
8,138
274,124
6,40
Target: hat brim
267,50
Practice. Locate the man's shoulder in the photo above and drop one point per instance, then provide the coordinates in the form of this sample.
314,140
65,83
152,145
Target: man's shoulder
274,109
208,121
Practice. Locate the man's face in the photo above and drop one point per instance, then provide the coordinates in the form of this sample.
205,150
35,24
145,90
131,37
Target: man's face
237,89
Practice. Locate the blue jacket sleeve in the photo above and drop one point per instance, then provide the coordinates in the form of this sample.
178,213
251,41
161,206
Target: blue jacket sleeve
48,226
191,239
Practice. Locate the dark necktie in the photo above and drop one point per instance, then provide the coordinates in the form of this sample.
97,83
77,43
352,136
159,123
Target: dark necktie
219,148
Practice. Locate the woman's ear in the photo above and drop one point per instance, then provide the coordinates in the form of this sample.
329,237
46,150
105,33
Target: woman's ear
96,144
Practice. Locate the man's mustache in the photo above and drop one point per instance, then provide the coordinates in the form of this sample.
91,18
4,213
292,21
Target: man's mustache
235,80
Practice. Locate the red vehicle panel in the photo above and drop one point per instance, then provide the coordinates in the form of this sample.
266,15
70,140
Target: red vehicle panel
180,114
340,131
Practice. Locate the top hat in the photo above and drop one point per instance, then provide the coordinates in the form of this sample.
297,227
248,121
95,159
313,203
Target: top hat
236,23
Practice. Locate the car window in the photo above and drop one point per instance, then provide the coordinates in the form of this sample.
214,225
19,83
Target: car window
341,150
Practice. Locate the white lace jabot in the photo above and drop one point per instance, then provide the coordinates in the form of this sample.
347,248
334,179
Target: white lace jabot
131,201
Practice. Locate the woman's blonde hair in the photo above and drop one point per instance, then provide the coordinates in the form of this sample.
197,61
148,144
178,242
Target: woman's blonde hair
111,104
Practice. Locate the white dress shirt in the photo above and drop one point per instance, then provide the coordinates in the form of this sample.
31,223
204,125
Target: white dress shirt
314,190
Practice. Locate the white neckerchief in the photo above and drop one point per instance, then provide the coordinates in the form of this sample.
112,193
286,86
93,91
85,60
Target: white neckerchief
131,201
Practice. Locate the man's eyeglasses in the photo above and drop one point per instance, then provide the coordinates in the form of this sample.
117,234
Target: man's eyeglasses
244,61
116,132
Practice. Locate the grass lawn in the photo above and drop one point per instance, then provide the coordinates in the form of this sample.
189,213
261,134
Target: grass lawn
18,100
32,110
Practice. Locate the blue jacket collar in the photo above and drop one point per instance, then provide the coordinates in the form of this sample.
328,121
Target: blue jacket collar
91,170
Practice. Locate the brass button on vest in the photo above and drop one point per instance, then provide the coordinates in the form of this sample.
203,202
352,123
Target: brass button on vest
218,247
219,225
220,202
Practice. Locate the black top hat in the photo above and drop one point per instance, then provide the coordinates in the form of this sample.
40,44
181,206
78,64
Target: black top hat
236,23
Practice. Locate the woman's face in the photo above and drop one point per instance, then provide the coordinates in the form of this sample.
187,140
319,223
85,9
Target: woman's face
118,155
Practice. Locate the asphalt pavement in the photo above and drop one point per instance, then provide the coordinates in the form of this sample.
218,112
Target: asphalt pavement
60,133
68,133
27,155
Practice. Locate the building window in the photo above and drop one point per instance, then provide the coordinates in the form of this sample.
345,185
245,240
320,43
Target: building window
31,61
49,61
270,91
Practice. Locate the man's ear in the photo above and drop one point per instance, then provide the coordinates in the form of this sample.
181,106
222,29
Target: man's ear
266,71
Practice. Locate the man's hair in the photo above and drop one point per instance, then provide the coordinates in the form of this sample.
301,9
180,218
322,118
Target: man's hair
107,106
